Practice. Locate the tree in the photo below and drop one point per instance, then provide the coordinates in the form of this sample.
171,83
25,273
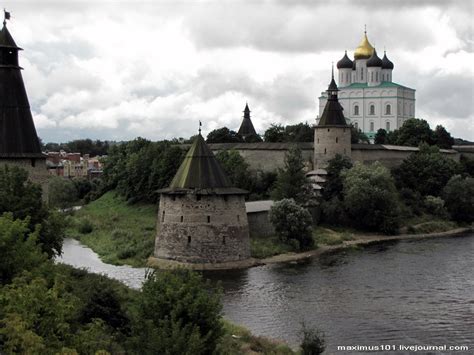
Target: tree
333,185
426,171
292,181
22,199
253,138
276,133
236,168
370,198
223,135
178,314
414,132
292,223
301,132
458,195
442,138
380,136
62,193
313,342
357,136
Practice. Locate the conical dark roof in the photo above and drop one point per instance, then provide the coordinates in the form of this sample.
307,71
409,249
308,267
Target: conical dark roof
332,113
374,60
386,63
200,170
18,138
345,62
246,127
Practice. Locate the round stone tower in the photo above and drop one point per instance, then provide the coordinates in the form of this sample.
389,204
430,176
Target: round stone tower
332,135
202,218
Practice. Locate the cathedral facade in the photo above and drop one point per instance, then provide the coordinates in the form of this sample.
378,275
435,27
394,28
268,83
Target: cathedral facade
367,93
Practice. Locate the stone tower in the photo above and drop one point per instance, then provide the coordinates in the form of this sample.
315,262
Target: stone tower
246,128
332,135
19,144
202,218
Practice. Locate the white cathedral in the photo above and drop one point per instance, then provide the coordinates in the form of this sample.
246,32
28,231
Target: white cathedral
369,97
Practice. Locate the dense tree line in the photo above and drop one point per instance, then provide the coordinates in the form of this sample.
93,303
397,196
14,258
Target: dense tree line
83,146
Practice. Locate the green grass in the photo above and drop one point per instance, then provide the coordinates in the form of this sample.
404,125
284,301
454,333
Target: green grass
121,233
238,340
332,236
264,247
427,224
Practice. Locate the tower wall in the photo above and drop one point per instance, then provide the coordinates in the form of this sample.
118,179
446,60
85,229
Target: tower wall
202,228
329,141
37,171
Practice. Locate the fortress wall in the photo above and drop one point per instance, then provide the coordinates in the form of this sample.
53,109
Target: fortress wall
205,229
38,173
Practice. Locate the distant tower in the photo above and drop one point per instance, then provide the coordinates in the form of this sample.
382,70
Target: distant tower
202,218
19,144
332,135
246,128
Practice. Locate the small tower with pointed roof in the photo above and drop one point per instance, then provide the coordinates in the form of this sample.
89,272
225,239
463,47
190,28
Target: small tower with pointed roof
332,135
19,144
202,218
246,128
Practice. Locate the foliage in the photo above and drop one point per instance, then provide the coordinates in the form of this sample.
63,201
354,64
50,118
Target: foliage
333,184
292,181
313,342
370,198
252,138
435,206
137,169
426,171
83,146
357,136
333,212
23,199
442,138
301,132
236,168
122,233
459,197
264,247
223,135
380,136
85,226
62,193
467,165
179,314
18,248
413,132
292,223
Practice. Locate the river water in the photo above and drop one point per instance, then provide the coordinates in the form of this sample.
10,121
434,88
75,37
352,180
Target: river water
409,293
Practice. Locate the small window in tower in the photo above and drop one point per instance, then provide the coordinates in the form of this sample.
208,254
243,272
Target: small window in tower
371,126
388,109
337,139
328,129
344,150
387,126
318,140
33,162
238,218
356,110
223,239
324,150
208,219
189,239
182,218
163,216
372,110
198,197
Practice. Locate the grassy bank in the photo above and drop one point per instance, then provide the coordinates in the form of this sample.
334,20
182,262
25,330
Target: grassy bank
118,232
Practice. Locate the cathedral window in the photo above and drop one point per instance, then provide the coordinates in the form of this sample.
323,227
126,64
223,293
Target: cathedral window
361,73
387,126
371,126
377,76
372,110
356,125
388,109
372,76
356,110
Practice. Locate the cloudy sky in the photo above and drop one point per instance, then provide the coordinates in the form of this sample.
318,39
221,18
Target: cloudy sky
121,69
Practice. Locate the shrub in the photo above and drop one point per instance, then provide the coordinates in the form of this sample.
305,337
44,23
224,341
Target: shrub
85,226
435,206
292,223
459,197
313,342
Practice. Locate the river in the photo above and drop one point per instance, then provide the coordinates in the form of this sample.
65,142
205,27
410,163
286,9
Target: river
409,293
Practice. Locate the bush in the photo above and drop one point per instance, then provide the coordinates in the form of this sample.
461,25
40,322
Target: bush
370,198
459,197
292,223
435,206
313,342
85,226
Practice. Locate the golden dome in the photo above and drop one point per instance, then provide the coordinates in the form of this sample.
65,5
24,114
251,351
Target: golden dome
365,49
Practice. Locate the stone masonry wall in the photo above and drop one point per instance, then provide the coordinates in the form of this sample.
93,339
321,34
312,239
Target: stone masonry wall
37,173
330,141
202,228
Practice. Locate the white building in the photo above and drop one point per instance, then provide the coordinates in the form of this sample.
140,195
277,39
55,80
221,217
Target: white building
369,97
